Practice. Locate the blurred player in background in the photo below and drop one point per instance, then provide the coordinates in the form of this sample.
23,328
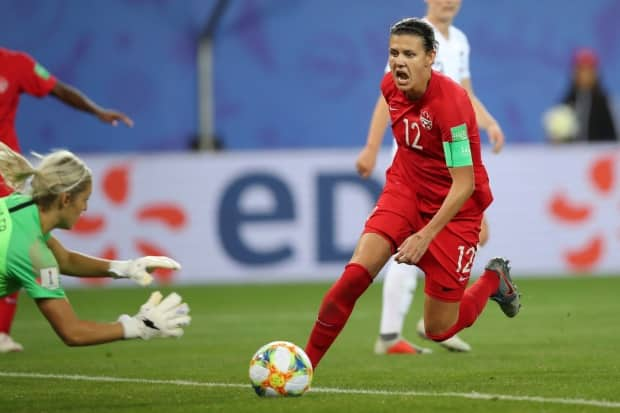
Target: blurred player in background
20,73
31,258
589,100
586,112
430,210
400,279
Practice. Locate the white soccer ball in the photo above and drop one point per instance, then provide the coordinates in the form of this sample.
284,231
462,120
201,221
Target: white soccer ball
560,123
280,368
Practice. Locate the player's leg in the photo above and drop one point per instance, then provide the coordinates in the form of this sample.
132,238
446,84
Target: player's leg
399,286
384,230
8,306
371,253
456,343
440,286
494,283
439,316
444,317
450,307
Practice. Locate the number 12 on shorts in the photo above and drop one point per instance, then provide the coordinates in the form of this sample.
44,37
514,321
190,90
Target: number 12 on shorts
466,256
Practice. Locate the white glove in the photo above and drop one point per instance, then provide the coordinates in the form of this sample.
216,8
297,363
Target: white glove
139,270
157,318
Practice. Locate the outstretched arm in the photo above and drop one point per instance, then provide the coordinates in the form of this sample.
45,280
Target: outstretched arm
484,119
73,331
158,317
74,98
82,265
77,264
378,123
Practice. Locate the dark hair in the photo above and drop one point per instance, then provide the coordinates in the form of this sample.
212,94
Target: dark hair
416,27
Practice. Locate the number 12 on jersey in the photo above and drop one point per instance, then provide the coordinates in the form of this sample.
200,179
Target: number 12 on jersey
416,130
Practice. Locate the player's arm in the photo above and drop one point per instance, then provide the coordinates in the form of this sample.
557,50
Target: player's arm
378,123
458,157
77,264
485,120
81,265
74,98
73,331
463,185
459,161
156,318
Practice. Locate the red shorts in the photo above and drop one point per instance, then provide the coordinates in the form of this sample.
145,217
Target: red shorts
448,261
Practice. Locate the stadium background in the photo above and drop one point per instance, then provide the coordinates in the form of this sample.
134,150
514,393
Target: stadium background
295,82
294,85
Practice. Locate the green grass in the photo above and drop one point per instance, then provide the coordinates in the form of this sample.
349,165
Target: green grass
564,345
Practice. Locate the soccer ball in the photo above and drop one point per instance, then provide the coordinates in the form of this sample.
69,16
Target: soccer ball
560,123
280,368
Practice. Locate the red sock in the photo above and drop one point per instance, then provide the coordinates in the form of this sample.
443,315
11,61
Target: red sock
335,310
472,304
8,305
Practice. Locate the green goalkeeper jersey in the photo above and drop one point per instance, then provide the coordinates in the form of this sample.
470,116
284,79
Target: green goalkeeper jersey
25,259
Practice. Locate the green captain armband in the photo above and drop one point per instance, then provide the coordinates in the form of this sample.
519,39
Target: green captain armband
41,71
458,152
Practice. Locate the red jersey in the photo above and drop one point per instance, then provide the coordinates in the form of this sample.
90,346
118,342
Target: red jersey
19,73
421,128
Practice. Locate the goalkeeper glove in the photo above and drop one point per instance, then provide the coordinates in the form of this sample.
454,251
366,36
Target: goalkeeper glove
157,318
139,270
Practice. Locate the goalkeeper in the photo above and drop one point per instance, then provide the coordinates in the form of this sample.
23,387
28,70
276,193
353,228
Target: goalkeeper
54,195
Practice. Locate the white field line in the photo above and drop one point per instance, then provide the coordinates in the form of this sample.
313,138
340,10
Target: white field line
370,392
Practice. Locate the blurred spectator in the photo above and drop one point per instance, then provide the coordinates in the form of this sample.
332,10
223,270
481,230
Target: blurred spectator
585,114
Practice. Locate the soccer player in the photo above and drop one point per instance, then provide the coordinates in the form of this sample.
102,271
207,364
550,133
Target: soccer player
430,210
20,73
33,259
400,281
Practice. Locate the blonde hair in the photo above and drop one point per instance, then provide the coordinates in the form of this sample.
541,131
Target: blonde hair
59,171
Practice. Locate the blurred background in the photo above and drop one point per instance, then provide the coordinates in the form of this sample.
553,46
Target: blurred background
249,115
286,73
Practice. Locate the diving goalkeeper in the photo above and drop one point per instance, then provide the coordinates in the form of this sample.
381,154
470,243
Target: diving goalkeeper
53,195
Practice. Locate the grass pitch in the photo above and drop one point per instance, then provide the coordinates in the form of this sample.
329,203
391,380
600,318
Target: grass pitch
559,355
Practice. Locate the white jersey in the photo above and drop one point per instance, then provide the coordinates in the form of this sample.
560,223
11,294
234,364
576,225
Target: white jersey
452,54
452,57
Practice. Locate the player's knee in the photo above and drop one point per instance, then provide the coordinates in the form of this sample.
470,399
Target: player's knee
441,336
438,331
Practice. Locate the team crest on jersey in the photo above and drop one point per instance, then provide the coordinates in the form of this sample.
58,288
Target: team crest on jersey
426,120
4,84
